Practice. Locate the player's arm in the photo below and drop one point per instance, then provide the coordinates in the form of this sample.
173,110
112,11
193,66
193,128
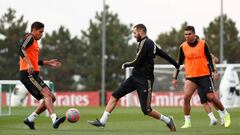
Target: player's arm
26,43
139,57
211,62
52,62
165,56
181,58
215,60
209,58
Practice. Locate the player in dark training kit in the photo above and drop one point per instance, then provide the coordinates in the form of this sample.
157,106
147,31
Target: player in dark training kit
141,79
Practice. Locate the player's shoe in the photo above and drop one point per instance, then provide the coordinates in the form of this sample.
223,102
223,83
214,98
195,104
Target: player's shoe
29,123
171,124
187,124
227,120
96,123
213,122
58,121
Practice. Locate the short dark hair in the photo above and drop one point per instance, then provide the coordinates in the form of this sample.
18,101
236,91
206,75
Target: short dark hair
141,26
37,25
190,28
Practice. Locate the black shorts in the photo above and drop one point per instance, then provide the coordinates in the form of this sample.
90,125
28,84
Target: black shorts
33,83
144,90
205,86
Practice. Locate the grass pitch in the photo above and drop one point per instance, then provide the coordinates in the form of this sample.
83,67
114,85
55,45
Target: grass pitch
123,121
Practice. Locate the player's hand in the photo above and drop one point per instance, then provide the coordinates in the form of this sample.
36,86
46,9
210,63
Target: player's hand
175,83
54,63
30,69
181,68
215,75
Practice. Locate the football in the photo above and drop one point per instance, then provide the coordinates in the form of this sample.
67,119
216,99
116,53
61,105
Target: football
72,115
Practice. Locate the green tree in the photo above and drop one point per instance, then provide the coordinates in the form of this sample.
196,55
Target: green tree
170,42
231,40
59,45
12,29
118,51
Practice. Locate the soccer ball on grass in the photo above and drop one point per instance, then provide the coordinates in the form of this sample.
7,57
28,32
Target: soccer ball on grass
72,115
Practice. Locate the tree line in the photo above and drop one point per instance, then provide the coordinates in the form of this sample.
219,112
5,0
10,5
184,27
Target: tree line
81,57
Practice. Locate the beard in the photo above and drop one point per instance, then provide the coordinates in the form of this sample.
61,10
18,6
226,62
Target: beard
138,38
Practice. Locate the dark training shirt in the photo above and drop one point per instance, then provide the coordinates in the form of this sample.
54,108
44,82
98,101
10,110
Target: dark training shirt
143,64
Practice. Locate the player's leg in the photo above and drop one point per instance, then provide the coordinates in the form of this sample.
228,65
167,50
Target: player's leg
48,99
207,85
42,107
29,121
109,108
144,90
105,116
220,113
168,120
126,87
206,106
218,104
189,89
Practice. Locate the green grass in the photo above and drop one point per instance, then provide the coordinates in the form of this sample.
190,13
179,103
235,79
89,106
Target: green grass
123,121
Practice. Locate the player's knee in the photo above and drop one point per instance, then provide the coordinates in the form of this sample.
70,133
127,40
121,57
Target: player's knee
46,92
210,97
113,99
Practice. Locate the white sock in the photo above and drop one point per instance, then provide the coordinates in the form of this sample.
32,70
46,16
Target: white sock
32,117
53,117
225,112
164,118
187,118
211,116
104,117
220,113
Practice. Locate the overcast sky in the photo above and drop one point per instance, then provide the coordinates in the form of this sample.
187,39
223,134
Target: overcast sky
158,15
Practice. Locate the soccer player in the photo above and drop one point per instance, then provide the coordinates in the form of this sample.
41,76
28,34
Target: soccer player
204,101
29,70
141,79
196,57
